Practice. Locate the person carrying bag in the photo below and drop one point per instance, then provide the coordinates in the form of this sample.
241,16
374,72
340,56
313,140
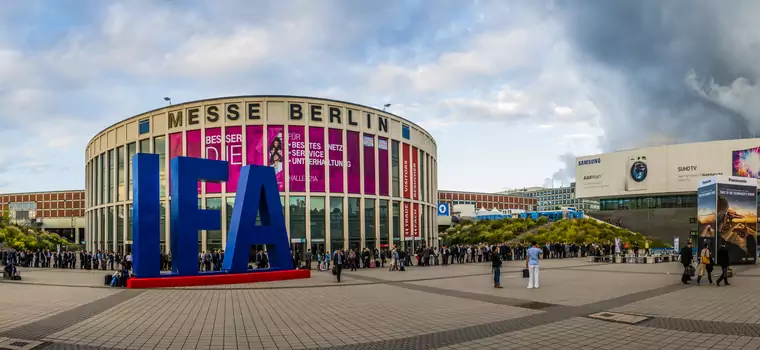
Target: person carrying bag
705,264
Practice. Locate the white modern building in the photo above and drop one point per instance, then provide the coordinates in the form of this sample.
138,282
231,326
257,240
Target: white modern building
556,198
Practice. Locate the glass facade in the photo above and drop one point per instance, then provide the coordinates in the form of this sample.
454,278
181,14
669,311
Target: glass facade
327,220
230,205
650,202
337,231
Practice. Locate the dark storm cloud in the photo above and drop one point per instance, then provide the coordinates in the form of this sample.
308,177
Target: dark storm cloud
648,64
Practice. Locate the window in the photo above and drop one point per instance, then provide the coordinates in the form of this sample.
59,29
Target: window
103,179
214,237
317,218
159,147
162,229
131,151
395,177
143,126
230,205
111,166
421,175
145,146
110,231
336,222
383,221
120,174
129,222
297,217
354,223
369,223
102,235
120,229
396,221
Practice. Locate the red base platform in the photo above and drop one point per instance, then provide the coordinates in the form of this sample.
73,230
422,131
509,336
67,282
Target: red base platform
217,279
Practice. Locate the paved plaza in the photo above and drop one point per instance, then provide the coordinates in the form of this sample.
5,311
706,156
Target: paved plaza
580,305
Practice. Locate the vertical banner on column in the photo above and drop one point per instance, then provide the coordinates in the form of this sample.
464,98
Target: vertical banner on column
296,158
382,166
416,221
254,145
317,159
194,147
213,149
276,153
335,155
353,172
233,140
175,150
405,169
369,164
407,222
415,174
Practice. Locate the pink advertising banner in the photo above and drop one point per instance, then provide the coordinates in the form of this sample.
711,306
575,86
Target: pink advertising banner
335,156
297,158
276,153
233,145
194,148
369,163
382,166
213,150
254,143
175,150
316,159
353,174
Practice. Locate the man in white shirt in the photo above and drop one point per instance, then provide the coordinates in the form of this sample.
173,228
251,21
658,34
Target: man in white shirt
531,263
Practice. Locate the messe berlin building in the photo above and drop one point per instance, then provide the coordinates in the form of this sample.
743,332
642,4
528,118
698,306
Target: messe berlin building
349,175
654,190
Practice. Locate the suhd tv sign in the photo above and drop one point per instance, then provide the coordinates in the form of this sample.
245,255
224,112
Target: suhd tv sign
256,194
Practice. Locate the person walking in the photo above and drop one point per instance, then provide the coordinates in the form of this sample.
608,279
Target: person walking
531,263
723,262
686,258
496,266
705,258
338,263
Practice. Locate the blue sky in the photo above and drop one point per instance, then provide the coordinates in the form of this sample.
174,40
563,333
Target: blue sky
510,90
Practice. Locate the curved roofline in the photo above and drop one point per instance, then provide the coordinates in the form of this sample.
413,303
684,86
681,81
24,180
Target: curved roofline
262,96
667,145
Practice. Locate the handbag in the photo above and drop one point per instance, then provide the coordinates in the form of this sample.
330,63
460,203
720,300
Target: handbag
334,271
705,259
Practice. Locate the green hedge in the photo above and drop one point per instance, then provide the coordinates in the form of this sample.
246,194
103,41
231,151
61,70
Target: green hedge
20,238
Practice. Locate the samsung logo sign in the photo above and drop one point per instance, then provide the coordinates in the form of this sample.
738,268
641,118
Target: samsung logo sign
590,161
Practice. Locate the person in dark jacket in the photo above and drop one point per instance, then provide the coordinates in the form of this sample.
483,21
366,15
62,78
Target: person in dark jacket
723,262
686,258
496,265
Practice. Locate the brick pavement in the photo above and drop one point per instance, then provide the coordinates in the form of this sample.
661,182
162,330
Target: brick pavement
423,308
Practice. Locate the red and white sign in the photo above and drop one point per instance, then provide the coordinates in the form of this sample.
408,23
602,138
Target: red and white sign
415,174
407,221
405,168
416,221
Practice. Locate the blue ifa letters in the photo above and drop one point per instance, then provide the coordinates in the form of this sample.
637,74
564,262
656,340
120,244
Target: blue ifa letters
257,194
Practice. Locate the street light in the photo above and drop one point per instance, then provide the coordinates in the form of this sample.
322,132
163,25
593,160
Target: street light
167,99
386,106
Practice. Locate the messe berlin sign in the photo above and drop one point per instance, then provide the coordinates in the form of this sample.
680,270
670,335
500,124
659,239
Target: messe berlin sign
256,194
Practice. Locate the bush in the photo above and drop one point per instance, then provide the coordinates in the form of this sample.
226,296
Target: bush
542,220
14,237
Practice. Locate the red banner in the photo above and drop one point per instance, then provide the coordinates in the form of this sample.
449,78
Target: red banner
407,221
416,220
415,174
405,168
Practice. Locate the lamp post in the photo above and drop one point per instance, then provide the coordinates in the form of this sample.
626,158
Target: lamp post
168,99
386,106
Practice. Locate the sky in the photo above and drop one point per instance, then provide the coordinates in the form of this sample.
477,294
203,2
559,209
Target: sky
512,91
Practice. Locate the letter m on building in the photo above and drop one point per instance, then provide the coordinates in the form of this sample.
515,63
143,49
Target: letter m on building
257,195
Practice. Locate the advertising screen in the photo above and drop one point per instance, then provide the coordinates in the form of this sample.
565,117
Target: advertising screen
194,148
316,159
415,173
382,166
254,145
746,163
175,150
297,158
736,216
276,153
213,150
416,220
405,169
407,221
353,172
369,164
335,156
233,145
706,217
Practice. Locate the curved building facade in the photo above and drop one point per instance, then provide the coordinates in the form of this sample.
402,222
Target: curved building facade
349,175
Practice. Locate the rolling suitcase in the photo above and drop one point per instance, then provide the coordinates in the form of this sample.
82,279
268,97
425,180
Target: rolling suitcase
525,273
